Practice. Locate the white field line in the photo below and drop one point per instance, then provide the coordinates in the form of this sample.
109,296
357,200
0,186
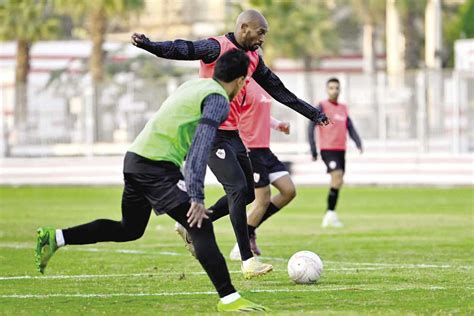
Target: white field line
172,253
386,265
287,290
101,276
126,251
151,274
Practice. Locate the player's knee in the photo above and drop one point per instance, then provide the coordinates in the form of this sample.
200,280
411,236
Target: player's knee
202,237
133,233
241,190
202,232
337,183
290,194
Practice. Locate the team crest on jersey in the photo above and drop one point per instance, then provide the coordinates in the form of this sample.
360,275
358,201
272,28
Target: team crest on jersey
332,164
181,185
256,177
220,153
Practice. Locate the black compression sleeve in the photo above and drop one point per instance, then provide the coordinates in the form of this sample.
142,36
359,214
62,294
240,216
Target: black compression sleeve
353,133
312,139
273,85
215,111
207,50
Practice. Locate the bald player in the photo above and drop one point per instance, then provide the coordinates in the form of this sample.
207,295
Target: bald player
332,144
228,159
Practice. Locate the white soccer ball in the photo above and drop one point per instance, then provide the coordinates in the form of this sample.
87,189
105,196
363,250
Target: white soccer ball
305,267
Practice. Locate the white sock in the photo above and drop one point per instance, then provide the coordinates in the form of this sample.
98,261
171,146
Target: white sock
331,210
230,298
60,238
247,262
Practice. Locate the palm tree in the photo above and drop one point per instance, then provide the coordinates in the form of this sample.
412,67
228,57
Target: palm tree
25,21
412,12
372,14
97,15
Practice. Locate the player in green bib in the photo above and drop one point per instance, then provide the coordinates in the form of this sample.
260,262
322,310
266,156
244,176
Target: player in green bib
185,125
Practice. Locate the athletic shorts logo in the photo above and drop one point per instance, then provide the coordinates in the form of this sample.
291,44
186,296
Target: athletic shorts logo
220,153
181,185
332,164
256,177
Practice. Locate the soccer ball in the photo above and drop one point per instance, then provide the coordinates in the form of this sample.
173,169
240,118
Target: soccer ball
305,267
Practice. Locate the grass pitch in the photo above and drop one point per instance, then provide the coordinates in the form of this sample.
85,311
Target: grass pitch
403,251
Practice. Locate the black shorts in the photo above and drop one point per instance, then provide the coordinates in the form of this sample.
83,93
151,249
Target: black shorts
160,183
334,159
266,166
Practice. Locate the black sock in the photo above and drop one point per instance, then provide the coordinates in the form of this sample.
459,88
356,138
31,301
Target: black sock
251,230
271,209
332,198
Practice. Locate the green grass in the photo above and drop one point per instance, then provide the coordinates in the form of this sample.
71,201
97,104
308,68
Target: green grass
403,251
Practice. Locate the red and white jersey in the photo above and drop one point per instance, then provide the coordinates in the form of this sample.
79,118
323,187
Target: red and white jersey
333,136
236,105
255,121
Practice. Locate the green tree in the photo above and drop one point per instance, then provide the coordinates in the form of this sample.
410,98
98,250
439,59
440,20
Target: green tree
412,16
97,15
372,15
301,29
458,23
25,21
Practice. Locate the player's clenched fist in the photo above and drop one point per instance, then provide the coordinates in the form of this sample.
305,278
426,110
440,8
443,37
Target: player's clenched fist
140,40
323,120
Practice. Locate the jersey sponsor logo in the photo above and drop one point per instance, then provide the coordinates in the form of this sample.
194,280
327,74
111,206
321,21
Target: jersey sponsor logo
181,185
256,177
220,153
339,117
332,164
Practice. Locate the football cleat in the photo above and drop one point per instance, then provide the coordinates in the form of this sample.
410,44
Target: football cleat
331,220
254,268
46,246
188,243
241,305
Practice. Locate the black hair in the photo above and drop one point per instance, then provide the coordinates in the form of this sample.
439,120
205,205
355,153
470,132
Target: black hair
333,79
231,65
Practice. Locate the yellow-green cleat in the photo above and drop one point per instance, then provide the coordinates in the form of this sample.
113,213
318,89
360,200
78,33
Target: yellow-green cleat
46,246
241,305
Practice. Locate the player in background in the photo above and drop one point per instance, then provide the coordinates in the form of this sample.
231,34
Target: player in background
186,123
228,160
332,144
255,124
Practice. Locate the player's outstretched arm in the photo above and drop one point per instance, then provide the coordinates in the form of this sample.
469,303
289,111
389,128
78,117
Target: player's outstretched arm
353,134
215,111
207,50
312,140
273,85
